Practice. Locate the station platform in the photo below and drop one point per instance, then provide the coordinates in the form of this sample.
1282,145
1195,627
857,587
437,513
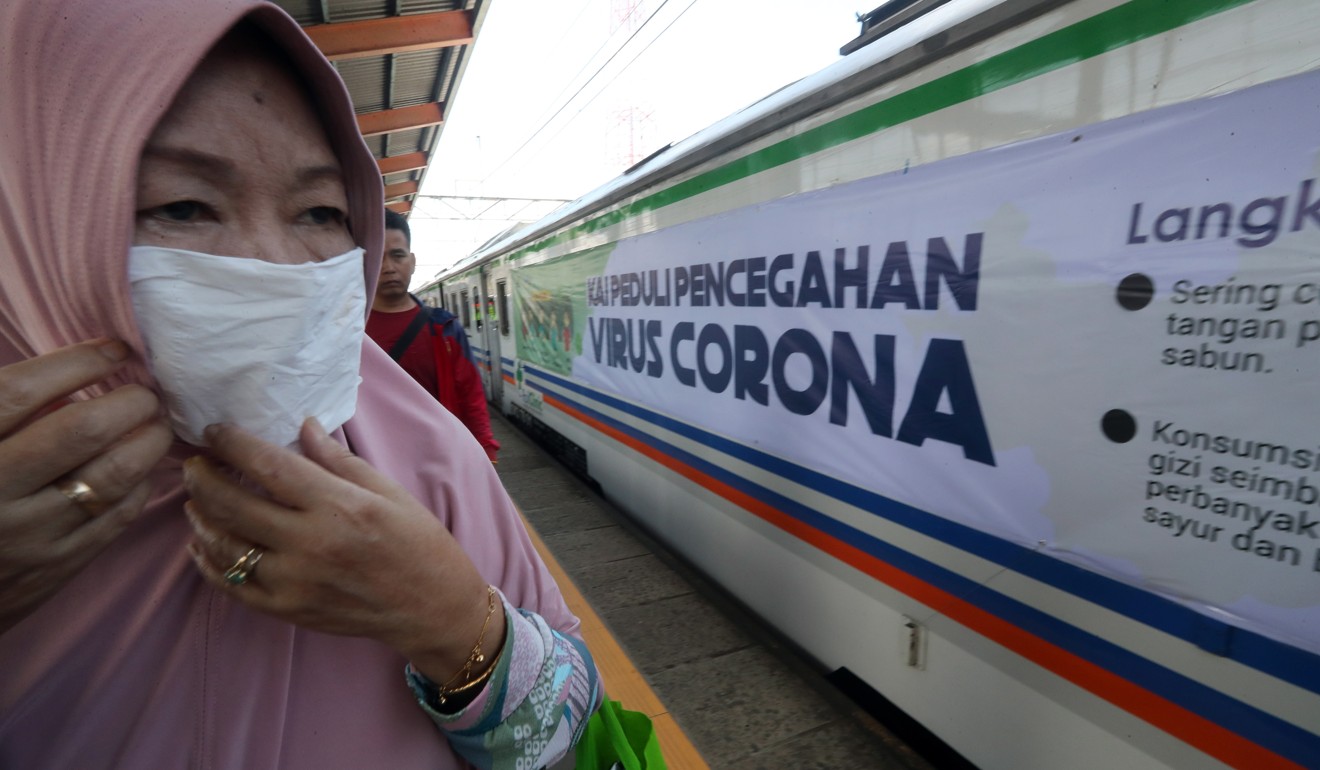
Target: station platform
723,690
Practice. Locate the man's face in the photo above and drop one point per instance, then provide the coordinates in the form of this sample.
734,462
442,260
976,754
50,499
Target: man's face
397,268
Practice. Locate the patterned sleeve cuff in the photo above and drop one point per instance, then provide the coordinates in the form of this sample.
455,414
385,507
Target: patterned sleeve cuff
535,705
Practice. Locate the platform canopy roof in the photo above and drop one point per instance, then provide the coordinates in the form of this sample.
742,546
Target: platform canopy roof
402,61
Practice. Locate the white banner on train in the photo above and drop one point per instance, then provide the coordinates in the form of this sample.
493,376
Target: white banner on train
1105,343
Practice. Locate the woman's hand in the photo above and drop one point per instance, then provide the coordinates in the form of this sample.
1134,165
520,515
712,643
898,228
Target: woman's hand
343,549
50,525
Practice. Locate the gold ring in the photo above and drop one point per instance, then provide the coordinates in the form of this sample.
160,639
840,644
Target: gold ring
79,492
242,569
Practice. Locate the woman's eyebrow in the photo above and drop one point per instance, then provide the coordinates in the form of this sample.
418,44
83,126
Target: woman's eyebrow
213,166
328,172
222,169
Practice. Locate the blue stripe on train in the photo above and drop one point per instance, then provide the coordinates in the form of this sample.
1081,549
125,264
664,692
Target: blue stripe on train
1287,663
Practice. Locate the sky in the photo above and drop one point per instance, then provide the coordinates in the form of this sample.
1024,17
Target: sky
560,97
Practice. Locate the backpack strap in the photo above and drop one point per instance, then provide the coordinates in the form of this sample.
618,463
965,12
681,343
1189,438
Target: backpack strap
410,333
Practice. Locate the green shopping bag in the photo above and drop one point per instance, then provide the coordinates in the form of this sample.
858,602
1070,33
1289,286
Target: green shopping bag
616,737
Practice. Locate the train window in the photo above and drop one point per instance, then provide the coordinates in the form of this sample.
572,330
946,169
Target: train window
502,306
467,311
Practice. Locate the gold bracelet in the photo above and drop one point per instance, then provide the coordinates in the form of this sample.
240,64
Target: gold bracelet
442,695
475,657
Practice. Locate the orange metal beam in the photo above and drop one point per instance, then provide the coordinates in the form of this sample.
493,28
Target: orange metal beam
402,207
400,119
393,34
401,189
399,163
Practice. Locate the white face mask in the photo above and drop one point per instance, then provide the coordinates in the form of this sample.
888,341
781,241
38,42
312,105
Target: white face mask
253,343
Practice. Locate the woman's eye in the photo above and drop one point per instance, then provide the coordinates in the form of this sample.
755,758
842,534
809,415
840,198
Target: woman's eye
180,211
325,215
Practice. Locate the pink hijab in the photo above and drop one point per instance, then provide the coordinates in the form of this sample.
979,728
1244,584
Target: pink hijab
137,663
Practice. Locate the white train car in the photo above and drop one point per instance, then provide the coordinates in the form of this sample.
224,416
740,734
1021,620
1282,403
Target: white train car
982,364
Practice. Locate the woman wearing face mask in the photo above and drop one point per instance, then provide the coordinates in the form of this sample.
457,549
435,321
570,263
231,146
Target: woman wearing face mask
190,574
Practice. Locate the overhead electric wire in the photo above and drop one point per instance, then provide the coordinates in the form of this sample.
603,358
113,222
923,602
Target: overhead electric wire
594,75
570,99
630,61
569,83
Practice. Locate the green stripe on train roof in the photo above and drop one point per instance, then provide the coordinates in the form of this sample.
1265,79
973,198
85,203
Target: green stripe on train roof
1104,32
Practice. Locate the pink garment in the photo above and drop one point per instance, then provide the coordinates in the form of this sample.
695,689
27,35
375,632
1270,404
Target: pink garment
137,663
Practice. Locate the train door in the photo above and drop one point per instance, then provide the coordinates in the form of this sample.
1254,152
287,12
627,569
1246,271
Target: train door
503,324
482,334
474,322
494,331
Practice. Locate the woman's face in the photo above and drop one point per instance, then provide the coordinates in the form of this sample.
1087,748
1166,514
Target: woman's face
240,166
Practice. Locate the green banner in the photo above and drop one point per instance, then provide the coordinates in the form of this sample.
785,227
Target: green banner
550,307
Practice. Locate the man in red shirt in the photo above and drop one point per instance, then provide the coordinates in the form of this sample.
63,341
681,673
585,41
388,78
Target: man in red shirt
429,343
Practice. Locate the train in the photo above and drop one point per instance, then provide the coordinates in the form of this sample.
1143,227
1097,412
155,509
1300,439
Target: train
980,364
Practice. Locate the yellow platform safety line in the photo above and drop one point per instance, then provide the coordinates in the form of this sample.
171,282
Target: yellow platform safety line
623,681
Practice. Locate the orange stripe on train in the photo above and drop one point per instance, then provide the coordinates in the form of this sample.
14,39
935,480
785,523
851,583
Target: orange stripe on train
1193,729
